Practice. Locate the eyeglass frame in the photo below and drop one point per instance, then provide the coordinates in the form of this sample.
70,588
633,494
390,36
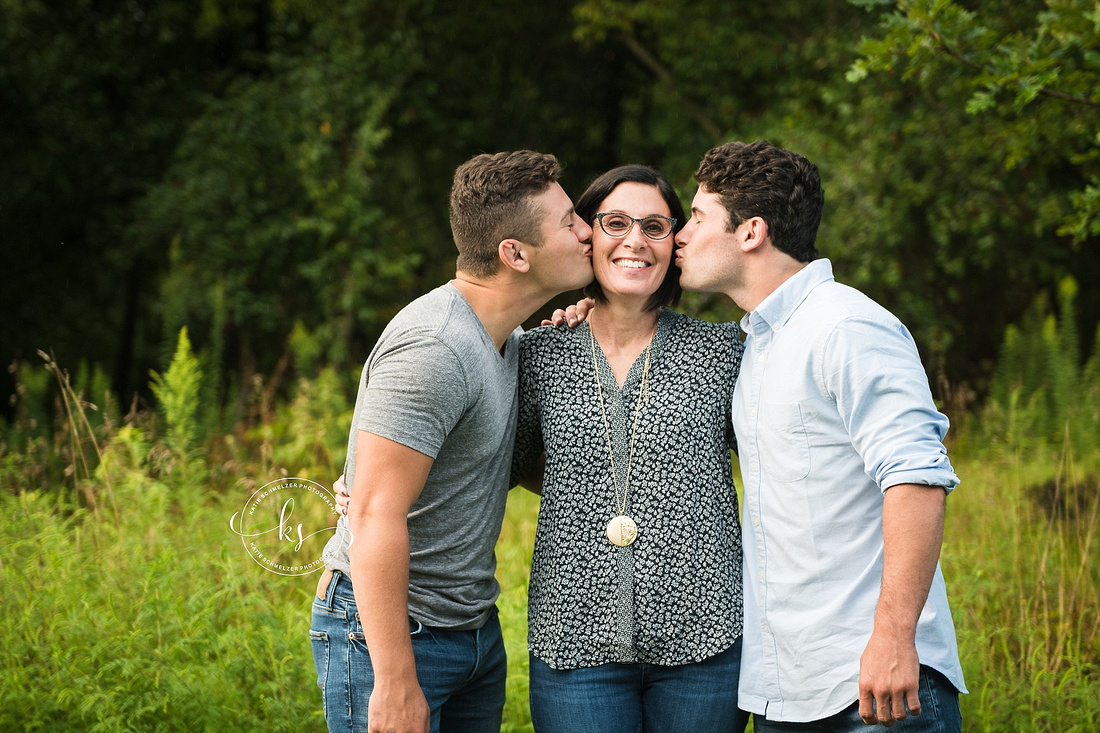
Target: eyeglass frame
671,224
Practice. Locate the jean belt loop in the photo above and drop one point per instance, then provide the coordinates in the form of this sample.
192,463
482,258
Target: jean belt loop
330,593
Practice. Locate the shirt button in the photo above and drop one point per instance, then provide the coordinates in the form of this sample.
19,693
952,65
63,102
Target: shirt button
752,412
754,468
763,356
767,629
755,521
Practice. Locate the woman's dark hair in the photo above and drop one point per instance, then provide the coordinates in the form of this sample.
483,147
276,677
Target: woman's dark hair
588,205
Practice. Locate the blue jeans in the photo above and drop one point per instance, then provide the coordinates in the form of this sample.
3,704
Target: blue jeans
939,713
462,673
626,698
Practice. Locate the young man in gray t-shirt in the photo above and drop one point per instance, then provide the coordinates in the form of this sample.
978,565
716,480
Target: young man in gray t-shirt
428,460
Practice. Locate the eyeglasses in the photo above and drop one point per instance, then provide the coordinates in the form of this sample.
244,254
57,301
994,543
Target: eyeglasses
618,225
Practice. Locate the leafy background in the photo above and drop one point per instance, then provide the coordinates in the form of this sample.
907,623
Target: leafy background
210,208
274,174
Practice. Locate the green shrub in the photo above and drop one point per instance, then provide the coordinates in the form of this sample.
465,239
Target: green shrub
1041,392
151,616
177,390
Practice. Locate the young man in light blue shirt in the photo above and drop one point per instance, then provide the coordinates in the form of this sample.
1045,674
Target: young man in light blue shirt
844,469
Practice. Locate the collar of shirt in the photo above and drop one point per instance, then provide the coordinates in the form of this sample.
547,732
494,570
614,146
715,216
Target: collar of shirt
777,308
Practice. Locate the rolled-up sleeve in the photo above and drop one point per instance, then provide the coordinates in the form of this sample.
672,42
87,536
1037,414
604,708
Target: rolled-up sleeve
873,370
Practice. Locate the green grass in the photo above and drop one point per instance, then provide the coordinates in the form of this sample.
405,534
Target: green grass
1022,561
127,604
163,623
517,541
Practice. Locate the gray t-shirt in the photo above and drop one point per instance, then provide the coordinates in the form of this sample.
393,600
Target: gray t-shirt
436,383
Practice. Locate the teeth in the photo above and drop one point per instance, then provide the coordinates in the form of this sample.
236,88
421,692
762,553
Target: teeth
635,264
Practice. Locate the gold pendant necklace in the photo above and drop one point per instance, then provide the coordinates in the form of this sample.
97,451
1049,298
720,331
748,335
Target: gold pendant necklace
621,530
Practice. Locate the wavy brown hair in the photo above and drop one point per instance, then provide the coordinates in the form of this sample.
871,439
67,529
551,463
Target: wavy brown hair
781,187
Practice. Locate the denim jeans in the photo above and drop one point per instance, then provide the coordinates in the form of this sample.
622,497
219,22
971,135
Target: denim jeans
462,673
626,698
939,713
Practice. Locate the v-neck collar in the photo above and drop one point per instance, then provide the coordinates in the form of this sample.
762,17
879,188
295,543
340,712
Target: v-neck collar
634,374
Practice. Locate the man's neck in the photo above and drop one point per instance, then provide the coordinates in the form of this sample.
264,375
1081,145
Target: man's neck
763,280
499,303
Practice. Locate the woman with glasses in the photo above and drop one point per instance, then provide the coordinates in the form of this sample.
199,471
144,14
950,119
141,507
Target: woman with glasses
635,603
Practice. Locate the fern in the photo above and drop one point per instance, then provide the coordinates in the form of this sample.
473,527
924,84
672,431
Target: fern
1064,359
177,390
1040,391
1090,390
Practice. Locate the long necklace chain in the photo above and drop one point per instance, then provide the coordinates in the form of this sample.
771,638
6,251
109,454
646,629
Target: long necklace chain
643,389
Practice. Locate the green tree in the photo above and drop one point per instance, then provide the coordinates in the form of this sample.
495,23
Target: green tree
957,149
993,115
267,211
274,174
307,205
95,96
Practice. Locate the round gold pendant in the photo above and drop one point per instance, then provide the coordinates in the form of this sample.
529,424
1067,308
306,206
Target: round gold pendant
622,530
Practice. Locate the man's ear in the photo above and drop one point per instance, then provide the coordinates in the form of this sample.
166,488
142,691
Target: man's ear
513,254
752,234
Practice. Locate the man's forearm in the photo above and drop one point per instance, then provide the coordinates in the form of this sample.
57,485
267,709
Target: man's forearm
379,558
912,535
388,479
889,669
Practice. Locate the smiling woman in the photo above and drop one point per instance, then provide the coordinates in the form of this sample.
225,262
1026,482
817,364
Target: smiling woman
635,588
631,261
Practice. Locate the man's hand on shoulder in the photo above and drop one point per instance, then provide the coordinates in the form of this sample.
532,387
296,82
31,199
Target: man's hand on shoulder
573,315
398,707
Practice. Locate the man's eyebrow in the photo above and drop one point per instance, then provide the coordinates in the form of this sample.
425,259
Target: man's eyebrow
695,211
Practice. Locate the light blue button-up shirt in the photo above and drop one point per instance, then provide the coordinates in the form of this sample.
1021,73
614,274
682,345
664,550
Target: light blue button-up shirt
832,407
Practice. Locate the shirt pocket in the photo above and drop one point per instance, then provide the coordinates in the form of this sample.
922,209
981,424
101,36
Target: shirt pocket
784,445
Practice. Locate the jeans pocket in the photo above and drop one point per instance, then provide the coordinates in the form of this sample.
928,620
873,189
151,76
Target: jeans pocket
319,642
357,640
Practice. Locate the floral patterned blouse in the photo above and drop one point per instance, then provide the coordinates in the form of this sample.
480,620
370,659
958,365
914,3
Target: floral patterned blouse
674,595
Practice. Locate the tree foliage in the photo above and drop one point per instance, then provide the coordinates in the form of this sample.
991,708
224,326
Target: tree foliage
274,175
268,210
95,96
1011,64
1002,130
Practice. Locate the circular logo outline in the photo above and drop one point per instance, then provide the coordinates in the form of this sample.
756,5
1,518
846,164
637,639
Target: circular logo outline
286,530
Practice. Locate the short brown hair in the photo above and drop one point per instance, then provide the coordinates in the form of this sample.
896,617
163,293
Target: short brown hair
491,202
781,187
